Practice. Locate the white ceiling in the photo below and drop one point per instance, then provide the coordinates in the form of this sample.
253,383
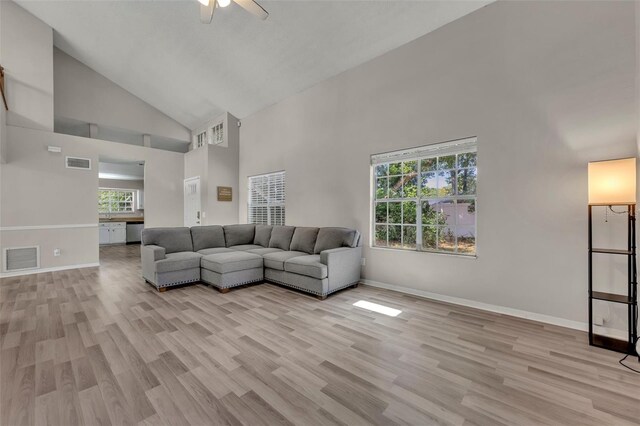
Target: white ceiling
159,51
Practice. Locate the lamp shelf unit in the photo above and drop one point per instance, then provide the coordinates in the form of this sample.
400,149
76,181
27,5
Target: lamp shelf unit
611,297
630,299
610,343
611,251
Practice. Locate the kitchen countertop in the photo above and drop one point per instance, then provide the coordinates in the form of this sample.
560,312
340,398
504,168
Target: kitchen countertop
131,220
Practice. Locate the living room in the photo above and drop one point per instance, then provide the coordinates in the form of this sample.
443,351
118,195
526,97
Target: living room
456,146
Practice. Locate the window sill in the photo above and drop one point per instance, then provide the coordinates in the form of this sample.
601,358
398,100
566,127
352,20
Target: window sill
457,255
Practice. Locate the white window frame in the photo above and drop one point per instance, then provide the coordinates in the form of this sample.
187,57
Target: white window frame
272,180
133,200
461,146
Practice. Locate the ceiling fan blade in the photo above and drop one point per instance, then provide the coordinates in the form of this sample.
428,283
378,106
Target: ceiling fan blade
253,8
206,12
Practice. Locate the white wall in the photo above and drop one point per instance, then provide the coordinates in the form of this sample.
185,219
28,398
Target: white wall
38,191
223,171
217,166
26,53
83,94
545,86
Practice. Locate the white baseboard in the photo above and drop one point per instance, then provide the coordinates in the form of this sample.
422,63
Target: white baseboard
44,270
547,319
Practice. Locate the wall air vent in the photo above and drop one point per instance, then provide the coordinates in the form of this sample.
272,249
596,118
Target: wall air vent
78,163
21,258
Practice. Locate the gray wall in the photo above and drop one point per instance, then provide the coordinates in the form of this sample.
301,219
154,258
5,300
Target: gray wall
46,204
26,53
545,86
217,166
83,94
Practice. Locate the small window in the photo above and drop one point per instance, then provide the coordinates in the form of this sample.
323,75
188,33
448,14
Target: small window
266,203
115,200
201,139
217,134
425,198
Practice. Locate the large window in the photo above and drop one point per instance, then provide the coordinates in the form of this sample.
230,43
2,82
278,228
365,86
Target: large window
425,198
266,204
115,200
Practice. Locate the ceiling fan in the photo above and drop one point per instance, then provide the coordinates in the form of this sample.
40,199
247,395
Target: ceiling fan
207,7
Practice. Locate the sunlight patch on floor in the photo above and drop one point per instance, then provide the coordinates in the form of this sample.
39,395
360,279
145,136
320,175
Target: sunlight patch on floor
381,309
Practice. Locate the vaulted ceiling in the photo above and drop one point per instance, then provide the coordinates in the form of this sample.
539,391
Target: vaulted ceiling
160,52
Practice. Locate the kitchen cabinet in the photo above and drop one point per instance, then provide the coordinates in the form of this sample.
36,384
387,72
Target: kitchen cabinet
113,233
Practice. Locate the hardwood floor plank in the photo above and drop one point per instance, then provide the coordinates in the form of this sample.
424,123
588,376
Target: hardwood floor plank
99,346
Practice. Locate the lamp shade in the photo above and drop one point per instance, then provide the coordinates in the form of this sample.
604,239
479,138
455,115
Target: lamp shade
612,182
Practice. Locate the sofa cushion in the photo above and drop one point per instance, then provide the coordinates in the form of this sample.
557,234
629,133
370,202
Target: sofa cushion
276,260
178,261
304,239
245,247
235,235
330,238
281,237
307,265
263,251
214,250
173,240
231,262
207,237
263,235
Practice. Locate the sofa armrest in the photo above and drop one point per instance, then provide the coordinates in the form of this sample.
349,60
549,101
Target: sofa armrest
154,252
150,254
343,266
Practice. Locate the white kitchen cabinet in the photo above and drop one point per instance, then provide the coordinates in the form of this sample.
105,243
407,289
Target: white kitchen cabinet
104,233
113,233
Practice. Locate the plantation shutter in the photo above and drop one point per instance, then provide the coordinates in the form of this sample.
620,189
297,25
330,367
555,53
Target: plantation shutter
266,204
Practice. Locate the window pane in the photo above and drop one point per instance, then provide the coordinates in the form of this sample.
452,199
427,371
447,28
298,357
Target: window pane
447,162
409,167
467,181
395,169
409,237
395,187
429,237
467,160
429,185
381,187
466,239
446,183
382,170
409,212
395,236
447,238
428,164
381,213
410,187
395,212
381,235
466,212
438,212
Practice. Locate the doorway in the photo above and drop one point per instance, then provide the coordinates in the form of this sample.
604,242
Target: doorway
192,206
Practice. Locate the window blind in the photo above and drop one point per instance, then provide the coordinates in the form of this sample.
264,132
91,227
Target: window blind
266,201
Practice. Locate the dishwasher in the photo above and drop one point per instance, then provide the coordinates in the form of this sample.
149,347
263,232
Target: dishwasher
134,232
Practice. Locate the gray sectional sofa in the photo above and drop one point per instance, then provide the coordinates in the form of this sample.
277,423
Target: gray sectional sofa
319,261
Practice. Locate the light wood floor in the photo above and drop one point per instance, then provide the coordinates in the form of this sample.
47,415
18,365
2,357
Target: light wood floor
98,346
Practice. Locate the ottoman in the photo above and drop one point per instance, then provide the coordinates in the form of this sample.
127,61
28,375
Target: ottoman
231,269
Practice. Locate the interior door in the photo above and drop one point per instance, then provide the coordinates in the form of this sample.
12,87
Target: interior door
192,202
